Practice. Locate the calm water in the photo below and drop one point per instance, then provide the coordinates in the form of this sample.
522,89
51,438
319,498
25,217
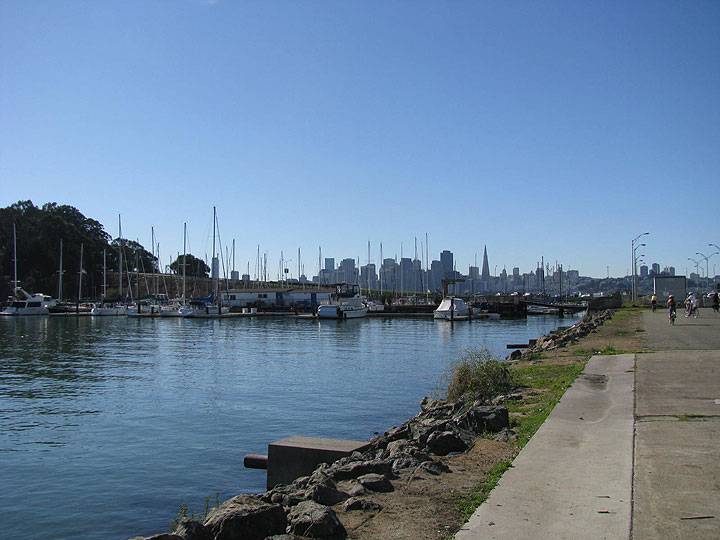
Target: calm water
108,425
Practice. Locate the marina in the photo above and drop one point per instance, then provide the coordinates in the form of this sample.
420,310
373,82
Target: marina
160,412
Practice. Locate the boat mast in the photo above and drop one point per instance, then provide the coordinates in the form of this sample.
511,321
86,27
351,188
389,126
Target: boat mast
120,291
104,289
77,309
213,270
380,272
184,258
152,241
15,281
60,272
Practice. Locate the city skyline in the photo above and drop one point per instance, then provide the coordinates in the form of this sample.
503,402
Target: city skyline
537,130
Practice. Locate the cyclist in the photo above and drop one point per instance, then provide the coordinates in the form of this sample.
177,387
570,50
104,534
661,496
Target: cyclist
672,307
653,301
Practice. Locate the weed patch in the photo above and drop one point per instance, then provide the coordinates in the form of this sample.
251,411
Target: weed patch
552,381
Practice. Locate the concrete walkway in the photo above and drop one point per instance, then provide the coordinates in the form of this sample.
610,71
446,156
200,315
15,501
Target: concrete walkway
631,451
574,477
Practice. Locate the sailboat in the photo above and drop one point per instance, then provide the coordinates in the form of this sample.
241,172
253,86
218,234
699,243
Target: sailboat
210,306
178,309
22,302
104,309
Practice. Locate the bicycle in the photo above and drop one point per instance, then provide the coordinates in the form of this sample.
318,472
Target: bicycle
672,316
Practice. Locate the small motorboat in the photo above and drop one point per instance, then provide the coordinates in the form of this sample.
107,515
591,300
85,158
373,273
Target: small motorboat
452,309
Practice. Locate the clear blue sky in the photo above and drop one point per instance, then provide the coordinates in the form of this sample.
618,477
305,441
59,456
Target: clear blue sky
560,129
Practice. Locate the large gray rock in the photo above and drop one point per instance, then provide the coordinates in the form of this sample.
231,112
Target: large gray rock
441,443
189,529
365,505
326,495
482,418
359,468
247,518
434,467
375,482
315,521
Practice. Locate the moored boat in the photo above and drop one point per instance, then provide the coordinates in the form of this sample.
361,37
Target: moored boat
452,309
28,304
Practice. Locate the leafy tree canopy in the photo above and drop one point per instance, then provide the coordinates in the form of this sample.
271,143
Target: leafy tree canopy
194,267
39,231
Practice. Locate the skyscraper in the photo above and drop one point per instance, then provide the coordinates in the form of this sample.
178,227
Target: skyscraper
485,274
446,259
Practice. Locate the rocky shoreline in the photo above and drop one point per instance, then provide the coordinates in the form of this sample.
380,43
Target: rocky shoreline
304,509
566,336
309,506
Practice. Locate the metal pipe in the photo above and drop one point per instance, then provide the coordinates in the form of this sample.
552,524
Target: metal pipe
255,461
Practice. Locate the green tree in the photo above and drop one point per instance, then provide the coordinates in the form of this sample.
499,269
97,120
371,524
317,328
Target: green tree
195,267
39,231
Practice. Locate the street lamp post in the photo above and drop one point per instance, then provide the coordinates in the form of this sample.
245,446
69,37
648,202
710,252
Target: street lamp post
633,248
707,263
697,265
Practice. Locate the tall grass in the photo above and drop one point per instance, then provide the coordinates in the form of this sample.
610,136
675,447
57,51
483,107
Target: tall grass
477,375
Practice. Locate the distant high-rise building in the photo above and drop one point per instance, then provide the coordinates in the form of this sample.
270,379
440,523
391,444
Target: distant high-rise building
436,275
644,271
347,272
329,264
655,269
485,274
671,270
474,272
516,272
446,259
368,276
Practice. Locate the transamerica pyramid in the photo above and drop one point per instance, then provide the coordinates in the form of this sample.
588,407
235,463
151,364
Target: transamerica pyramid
486,267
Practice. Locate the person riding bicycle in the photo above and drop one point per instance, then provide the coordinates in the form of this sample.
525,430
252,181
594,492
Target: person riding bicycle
653,301
671,305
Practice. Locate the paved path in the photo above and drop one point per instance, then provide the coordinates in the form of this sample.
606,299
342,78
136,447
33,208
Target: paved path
627,453
574,477
677,442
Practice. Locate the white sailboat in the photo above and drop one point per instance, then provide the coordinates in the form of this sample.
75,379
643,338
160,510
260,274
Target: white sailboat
22,302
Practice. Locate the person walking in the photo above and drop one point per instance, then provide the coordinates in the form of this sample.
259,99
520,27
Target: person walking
715,297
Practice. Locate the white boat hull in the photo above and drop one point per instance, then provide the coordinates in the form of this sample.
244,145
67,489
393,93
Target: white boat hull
208,312
447,316
452,309
108,311
11,311
341,312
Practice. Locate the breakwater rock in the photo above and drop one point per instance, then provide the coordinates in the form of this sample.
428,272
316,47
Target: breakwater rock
304,508
562,337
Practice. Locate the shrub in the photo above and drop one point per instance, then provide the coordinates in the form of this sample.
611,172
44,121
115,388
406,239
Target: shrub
479,376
